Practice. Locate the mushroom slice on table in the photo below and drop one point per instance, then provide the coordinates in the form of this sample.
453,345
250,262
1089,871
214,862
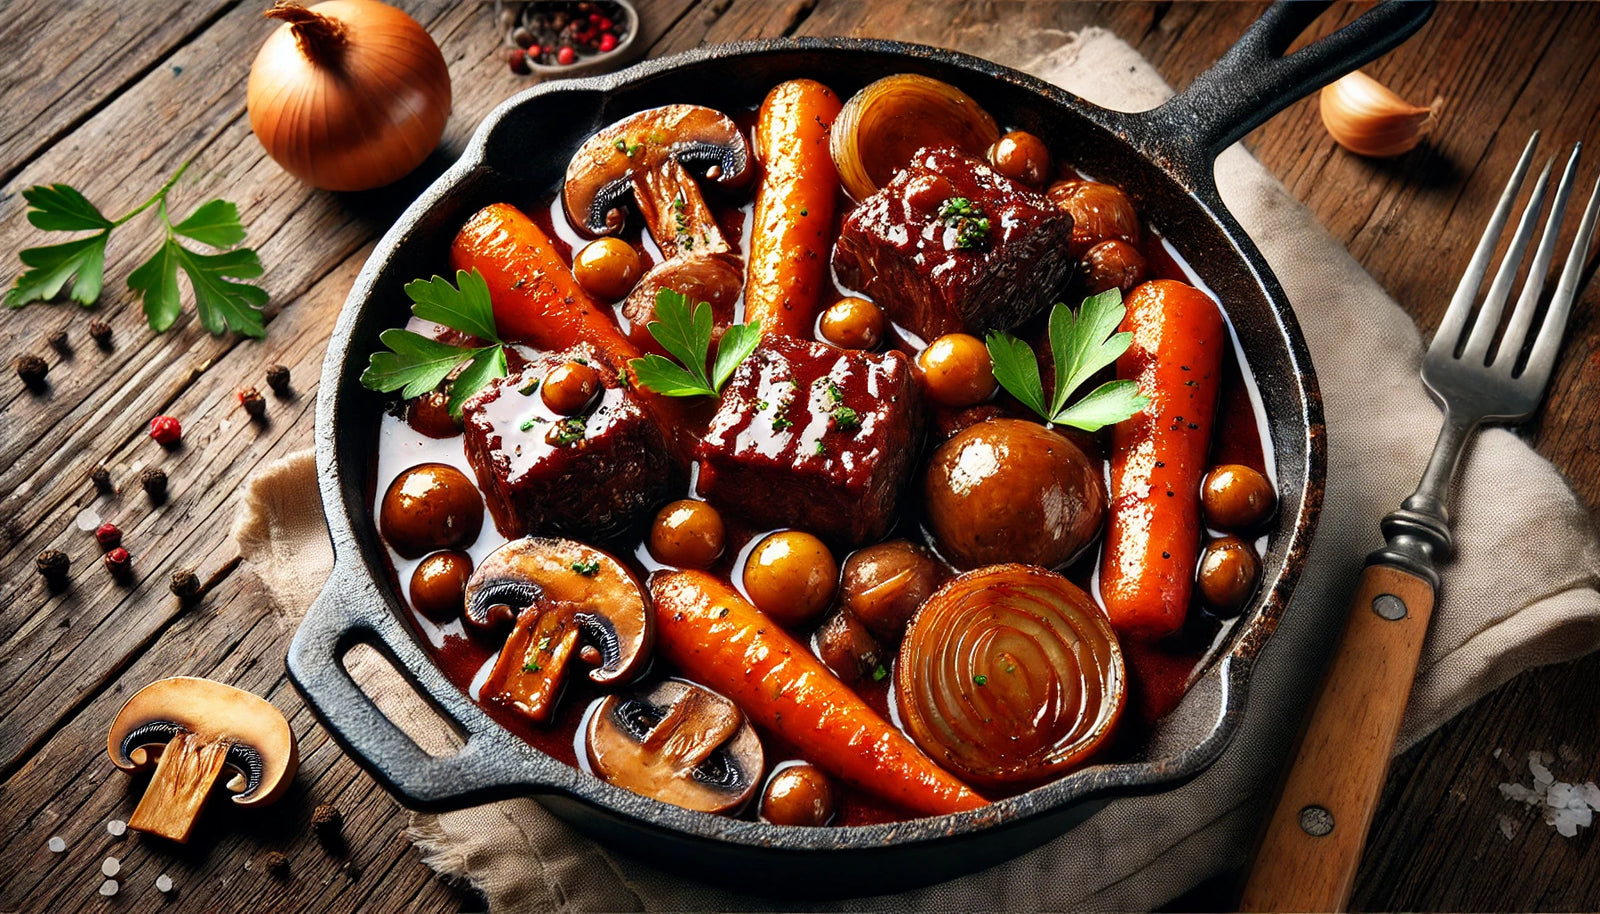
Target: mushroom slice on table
655,157
191,729
680,743
558,593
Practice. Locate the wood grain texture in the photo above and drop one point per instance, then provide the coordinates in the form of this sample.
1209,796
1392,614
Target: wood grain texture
1314,837
112,97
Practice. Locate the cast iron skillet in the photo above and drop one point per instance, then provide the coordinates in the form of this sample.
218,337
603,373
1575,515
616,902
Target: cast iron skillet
1163,158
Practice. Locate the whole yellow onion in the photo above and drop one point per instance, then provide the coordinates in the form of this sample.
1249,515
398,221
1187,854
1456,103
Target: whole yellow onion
348,94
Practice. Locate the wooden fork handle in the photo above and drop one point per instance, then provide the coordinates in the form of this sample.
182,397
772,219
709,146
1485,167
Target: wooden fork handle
1308,857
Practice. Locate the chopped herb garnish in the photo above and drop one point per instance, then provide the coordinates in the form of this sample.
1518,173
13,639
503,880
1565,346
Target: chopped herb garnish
980,679
805,212
821,448
1081,344
416,364
530,423
221,303
781,421
846,419
835,392
688,338
587,567
532,666
879,673
530,388
968,220
569,430
626,148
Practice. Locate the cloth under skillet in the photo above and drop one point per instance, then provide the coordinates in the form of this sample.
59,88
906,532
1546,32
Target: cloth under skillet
1520,593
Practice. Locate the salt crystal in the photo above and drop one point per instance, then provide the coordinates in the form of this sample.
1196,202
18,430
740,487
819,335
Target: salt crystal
226,425
163,883
1541,774
117,827
1590,794
1560,795
108,888
1564,821
57,845
1508,827
1498,751
1519,793
111,867
87,519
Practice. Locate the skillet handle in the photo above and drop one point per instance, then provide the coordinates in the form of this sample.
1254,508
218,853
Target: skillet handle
1254,81
490,765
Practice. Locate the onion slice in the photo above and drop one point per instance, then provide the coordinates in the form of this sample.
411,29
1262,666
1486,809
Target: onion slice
1010,675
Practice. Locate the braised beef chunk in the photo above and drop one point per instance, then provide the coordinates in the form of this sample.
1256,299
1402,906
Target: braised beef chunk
589,476
813,437
949,245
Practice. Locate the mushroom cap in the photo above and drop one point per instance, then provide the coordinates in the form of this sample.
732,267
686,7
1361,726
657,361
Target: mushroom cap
600,591
262,747
680,743
599,178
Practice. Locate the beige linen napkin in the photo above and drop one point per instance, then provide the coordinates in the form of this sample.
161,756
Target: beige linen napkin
1520,593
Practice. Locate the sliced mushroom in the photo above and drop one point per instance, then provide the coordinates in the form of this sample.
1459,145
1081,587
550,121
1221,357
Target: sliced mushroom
713,278
190,730
558,592
680,743
654,156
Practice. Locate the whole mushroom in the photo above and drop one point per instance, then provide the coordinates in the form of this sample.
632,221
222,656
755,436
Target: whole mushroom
191,729
680,743
655,157
557,593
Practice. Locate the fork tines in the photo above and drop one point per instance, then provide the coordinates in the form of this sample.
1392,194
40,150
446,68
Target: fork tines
1541,359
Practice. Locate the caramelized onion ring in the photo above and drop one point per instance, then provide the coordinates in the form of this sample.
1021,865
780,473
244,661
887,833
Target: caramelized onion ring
1010,674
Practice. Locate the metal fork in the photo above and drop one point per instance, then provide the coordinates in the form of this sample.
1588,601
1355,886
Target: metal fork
1308,857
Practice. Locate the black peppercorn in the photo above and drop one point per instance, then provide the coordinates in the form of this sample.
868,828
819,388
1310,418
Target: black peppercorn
278,379
276,864
522,36
58,341
255,405
54,565
326,820
185,584
154,480
101,477
32,369
100,332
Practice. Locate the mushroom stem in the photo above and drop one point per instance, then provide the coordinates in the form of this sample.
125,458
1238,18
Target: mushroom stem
680,221
692,729
183,779
533,663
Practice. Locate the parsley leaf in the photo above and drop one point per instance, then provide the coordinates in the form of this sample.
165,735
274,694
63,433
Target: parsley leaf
687,336
221,303
1081,345
82,261
416,364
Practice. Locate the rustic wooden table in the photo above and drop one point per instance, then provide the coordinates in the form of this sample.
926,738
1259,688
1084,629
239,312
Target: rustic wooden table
113,97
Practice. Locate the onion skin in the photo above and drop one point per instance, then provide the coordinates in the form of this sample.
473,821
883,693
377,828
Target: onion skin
1010,675
348,94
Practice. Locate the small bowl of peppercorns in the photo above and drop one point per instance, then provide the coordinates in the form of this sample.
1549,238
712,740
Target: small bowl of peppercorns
567,37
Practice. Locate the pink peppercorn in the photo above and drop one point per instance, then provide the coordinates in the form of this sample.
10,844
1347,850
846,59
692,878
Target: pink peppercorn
608,42
108,536
165,430
119,562
566,56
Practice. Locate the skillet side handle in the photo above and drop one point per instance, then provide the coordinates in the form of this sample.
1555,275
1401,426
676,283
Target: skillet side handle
1254,81
480,770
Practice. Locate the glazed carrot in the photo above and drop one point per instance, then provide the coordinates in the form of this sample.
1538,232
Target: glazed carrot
789,241
536,299
1158,457
715,637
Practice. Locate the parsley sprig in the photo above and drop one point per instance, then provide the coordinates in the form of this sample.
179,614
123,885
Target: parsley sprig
1081,344
221,303
688,338
416,364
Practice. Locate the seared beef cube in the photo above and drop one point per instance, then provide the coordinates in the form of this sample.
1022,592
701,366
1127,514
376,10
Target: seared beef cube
949,245
589,476
813,437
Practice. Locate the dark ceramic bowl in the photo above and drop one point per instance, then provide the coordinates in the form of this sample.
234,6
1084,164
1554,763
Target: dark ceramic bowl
1164,159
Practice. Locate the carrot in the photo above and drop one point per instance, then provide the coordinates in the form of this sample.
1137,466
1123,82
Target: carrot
789,242
719,639
1158,458
536,299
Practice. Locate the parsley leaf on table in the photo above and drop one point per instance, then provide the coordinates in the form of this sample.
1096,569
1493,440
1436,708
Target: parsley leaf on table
416,364
1081,344
221,303
687,336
